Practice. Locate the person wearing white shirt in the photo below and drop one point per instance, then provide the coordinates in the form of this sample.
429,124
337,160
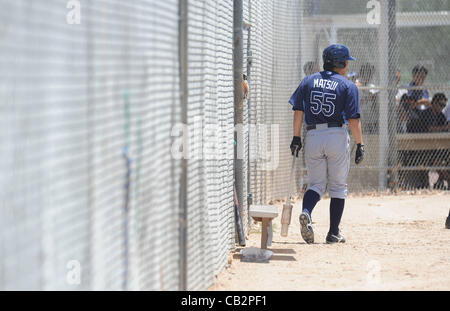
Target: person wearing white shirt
446,110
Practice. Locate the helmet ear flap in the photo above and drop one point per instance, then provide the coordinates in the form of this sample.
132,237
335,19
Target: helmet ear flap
339,64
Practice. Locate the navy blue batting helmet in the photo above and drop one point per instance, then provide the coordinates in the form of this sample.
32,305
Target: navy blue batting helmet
335,56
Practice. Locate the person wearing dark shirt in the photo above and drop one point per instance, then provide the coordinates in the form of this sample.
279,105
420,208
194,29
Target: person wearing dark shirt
415,123
425,121
432,119
435,121
369,98
438,121
404,110
421,97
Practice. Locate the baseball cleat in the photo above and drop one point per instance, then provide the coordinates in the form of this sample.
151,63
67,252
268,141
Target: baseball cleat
332,239
306,228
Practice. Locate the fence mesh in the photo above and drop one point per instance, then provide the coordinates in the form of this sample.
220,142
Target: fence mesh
91,113
210,106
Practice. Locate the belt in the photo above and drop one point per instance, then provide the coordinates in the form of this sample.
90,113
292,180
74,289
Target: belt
323,125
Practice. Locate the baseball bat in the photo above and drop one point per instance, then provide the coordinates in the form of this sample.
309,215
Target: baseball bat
238,218
287,208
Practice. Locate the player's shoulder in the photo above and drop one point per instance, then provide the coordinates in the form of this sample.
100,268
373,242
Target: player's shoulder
343,80
310,78
331,75
351,85
347,84
344,83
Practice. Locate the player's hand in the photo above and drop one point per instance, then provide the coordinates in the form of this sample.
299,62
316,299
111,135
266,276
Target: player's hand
296,145
359,154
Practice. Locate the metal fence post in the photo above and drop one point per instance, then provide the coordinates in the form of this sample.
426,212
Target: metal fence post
387,118
183,67
238,64
249,71
392,115
383,130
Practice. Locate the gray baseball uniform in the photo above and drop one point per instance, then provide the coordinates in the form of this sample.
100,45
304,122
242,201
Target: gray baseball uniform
327,157
328,100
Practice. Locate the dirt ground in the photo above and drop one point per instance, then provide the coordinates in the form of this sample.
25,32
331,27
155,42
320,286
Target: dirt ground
394,242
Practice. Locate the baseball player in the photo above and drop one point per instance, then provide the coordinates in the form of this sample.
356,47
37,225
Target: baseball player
327,101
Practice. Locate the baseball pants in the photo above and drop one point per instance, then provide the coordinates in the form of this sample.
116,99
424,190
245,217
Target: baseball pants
327,157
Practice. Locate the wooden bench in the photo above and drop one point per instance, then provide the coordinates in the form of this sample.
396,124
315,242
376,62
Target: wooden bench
367,173
264,214
423,141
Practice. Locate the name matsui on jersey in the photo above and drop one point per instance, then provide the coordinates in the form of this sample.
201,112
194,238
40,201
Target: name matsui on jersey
326,84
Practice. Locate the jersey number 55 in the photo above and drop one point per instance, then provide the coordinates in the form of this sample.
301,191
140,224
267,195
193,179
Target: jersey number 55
322,103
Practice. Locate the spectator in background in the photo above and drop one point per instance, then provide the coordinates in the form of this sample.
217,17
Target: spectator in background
434,120
414,123
405,109
366,72
311,67
352,76
400,92
446,112
429,120
421,97
368,99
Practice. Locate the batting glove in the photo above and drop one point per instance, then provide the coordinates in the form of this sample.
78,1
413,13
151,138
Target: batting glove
296,145
359,154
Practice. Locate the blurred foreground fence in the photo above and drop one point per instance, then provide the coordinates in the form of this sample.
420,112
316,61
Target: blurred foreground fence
91,118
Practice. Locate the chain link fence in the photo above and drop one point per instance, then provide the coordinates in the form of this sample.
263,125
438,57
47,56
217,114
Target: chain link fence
92,112
402,73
